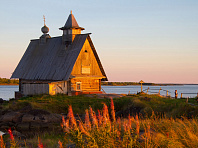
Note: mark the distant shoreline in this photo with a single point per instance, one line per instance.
(136, 83)
(129, 83)
(9, 84)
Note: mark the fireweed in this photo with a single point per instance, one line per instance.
(12, 140)
(104, 130)
(2, 144)
(40, 145)
(101, 130)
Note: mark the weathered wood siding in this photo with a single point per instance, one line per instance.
(43, 87)
(58, 88)
(86, 63)
(87, 84)
(35, 89)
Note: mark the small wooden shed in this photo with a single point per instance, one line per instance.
(67, 64)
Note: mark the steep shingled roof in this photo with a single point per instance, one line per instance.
(52, 61)
(71, 23)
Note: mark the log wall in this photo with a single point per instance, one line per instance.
(87, 84)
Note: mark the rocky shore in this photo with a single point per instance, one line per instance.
(28, 119)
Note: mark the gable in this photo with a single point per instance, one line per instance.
(87, 64)
(52, 61)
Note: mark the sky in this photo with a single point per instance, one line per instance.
(150, 40)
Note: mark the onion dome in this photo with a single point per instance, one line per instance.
(45, 29)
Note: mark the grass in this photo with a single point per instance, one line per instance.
(133, 104)
(58, 103)
(147, 121)
(46, 139)
(102, 131)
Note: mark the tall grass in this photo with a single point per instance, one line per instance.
(2, 144)
(102, 129)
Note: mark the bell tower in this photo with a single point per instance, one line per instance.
(70, 30)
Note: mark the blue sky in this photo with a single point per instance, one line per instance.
(153, 40)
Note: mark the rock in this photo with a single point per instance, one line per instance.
(47, 118)
(10, 117)
(26, 109)
(6, 111)
(3, 127)
(52, 118)
(1, 101)
(36, 112)
(35, 126)
(23, 126)
(28, 118)
(18, 117)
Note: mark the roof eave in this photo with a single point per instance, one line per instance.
(64, 28)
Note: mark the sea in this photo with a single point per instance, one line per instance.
(7, 91)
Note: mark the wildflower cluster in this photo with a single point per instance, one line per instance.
(99, 129)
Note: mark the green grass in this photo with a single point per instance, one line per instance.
(134, 104)
(59, 103)
(163, 122)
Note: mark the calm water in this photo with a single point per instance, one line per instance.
(7, 91)
(154, 89)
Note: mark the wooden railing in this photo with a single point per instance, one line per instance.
(103, 90)
(189, 93)
(153, 91)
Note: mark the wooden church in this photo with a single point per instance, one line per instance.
(67, 64)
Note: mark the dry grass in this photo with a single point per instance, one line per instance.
(102, 129)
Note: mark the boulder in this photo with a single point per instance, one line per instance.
(52, 118)
(11, 117)
(26, 109)
(28, 118)
(46, 118)
(36, 112)
(35, 126)
(25, 126)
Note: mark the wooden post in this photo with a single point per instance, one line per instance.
(176, 94)
(166, 93)
(147, 90)
(141, 84)
(181, 95)
(159, 91)
(187, 100)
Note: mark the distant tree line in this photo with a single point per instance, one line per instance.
(5, 81)
(119, 83)
(129, 83)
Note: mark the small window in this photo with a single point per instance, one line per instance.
(69, 31)
(65, 32)
(85, 50)
(86, 70)
(78, 86)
